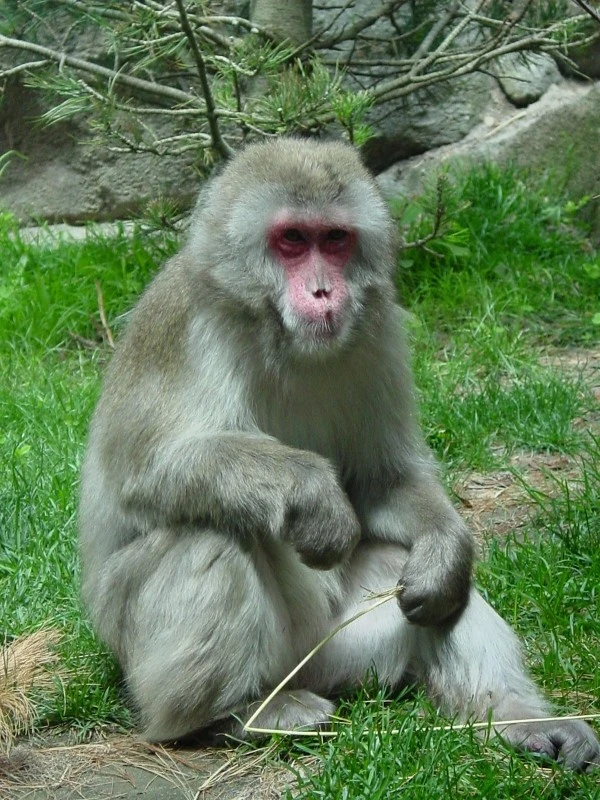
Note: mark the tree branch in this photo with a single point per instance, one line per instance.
(588, 9)
(440, 213)
(167, 29)
(29, 65)
(63, 59)
(439, 26)
(220, 146)
(352, 31)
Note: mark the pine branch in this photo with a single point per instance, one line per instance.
(113, 76)
(588, 9)
(219, 144)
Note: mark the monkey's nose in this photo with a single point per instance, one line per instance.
(321, 294)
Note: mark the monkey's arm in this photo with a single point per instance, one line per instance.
(417, 514)
(249, 485)
(397, 494)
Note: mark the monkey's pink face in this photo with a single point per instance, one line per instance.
(313, 255)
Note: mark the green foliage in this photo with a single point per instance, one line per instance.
(392, 747)
(301, 93)
(297, 94)
(350, 109)
(510, 246)
(151, 82)
(48, 387)
(48, 293)
(549, 588)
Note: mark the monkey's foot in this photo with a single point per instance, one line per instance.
(570, 742)
(287, 711)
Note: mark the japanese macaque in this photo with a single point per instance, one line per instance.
(255, 469)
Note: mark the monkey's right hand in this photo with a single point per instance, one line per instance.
(252, 484)
(320, 522)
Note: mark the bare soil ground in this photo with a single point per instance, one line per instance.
(124, 767)
(498, 502)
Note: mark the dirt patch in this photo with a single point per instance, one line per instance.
(584, 364)
(496, 503)
(577, 361)
(125, 767)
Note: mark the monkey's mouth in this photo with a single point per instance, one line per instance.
(325, 331)
(326, 328)
(312, 333)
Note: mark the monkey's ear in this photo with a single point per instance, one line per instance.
(202, 200)
(205, 196)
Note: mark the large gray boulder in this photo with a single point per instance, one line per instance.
(62, 174)
(524, 78)
(558, 134)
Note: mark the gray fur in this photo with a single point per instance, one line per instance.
(246, 486)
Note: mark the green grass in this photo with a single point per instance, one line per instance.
(48, 387)
(508, 253)
(403, 749)
(517, 275)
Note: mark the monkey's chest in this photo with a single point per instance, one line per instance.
(320, 422)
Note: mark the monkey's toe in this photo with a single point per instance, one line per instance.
(287, 711)
(571, 743)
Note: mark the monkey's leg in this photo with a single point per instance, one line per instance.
(470, 668)
(382, 639)
(475, 667)
(208, 633)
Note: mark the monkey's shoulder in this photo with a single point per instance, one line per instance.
(157, 326)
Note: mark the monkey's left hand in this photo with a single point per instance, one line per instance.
(436, 579)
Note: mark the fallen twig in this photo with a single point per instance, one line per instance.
(105, 326)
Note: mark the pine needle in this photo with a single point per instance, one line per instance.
(27, 665)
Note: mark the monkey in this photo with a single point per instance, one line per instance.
(255, 468)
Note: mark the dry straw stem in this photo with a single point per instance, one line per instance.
(27, 665)
(238, 766)
(380, 598)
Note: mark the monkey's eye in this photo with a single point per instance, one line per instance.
(293, 235)
(336, 235)
(337, 242)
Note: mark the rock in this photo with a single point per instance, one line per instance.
(65, 176)
(585, 61)
(524, 77)
(557, 134)
(427, 119)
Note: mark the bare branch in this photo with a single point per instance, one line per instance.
(89, 8)
(588, 9)
(439, 26)
(469, 62)
(220, 146)
(420, 66)
(28, 66)
(317, 37)
(64, 59)
(352, 31)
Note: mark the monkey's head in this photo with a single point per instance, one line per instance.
(297, 232)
